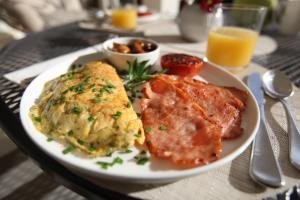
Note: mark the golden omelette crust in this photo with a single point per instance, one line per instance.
(88, 108)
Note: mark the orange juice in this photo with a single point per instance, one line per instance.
(124, 18)
(231, 46)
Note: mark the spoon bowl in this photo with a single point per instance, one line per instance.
(277, 85)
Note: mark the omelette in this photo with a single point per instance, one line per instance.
(88, 108)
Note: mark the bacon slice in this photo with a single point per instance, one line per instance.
(240, 95)
(176, 127)
(219, 103)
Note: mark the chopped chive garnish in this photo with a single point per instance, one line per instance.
(141, 158)
(105, 165)
(117, 115)
(118, 160)
(96, 99)
(79, 88)
(71, 88)
(80, 142)
(136, 135)
(101, 91)
(108, 154)
(68, 150)
(91, 118)
(148, 129)
(61, 98)
(91, 148)
(70, 133)
(109, 90)
(37, 119)
(49, 139)
(162, 128)
(142, 161)
(70, 76)
(87, 79)
(76, 110)
(93, 87)
(109, 84)
(74, 66)
(128, 151)
(129, 104)
(65, 91)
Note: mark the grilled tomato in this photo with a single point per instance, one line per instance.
(181, 64)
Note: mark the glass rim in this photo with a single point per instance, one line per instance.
(249, 7)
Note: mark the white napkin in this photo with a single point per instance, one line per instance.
(35, 69)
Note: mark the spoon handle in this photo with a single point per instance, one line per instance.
(264, 167)
(294, 136)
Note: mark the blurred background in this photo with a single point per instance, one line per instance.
(21, 17)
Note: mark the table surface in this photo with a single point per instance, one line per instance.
(20, 177)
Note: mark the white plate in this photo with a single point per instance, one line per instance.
(155, 171)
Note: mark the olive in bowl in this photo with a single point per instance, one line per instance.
(123, 49)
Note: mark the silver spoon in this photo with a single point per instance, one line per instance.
(277, 85)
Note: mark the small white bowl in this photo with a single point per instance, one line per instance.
(119, 60)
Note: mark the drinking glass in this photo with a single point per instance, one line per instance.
(233, 33)
(124, 17)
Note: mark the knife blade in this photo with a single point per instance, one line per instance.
(264, 167)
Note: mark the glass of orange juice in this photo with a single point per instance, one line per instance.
(234, 30)
(124, 17)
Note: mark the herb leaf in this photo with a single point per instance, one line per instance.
(148, 129)
(80, 142)
(162, 128)
(141, 158)
(70, 133)
(92, 148)
(79, 88)
(106, 165)
(127, 151)
(37, 119)
(142, 161)
(117, 115)
(91, 118)
(68, 150)
(96, 99)
(118, 160)
(76, 110)
(108, 154)
(138, 72)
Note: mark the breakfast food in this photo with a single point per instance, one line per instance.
(89, 109)
(181, 64)
(134, 47)
(185, 119)
(176, 127)
(219, 104)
